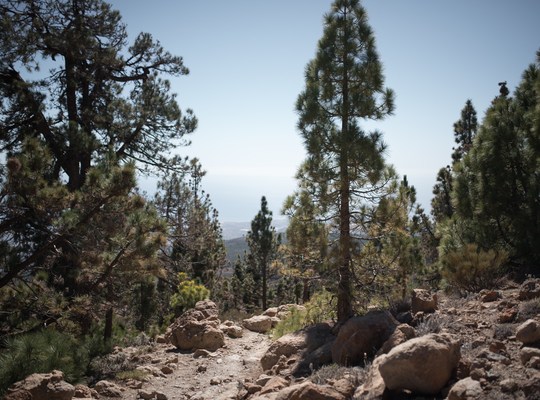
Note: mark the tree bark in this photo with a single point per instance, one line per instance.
(107, 333)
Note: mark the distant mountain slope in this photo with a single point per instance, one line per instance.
(235, 247)
(234, 236)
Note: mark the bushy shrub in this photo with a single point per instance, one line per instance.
(529, 309)
(188, 294)
(432, 323)
(42, 352)
(472, 269)
(108, 366)
(318, 309)
(334, 372)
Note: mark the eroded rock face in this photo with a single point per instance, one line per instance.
(49, 386)
(362, 336)
(422, 365)
(423, 301)
(197, 328)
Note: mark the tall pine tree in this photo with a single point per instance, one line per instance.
(344, 86)
(263, 243)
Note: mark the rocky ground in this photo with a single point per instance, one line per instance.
(200, 375)
(498, 336)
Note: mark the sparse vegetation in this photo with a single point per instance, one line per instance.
(470, 268)
(42, 351)
(334, 372)
(135, 374)
(318, 309)
(529, 309)
(432, 323)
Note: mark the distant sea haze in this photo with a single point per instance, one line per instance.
(234, 230)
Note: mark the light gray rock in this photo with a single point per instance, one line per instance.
(528, 332)
(465, 389)
(50, 386)
(258, 323)
(422, 365)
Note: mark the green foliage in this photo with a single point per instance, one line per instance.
(320, 308)
(263, 243)
(294, 321)
(496, 184)
(42, 352)
(345, 171)
(189, 292)
(470, 268)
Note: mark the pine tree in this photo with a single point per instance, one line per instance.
(465, 131)
(195, 244)
(80, 114)
(306, 250)
(441, 203)
(263, 243)
(496, 185)
(344, 85)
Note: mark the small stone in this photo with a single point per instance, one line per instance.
(497, 347)
(145, 394)
(252, 388)
(509, 386)
(477, 374)
(201, 368)
(465, 389)
(201, 353)
(508, 315)
(167, 370)
(489, 296)
(215, 381)
(528, 332)
(160, 396)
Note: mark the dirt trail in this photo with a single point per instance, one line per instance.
(214, 376)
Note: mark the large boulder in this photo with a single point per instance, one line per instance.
(423, 301)
(197, 328)
(422, 365)
(49, 386)
(362, 336)
(258, 323)
(309, 346)
(528, 332)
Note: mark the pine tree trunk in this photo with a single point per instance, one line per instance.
(264, 288)
(344, 307)
(107, 334)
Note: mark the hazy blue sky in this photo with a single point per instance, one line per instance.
(247, 60)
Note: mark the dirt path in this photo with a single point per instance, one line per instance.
(211, 376)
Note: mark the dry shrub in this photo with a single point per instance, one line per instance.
(472, 269)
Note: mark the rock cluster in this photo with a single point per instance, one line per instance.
(197, 328)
